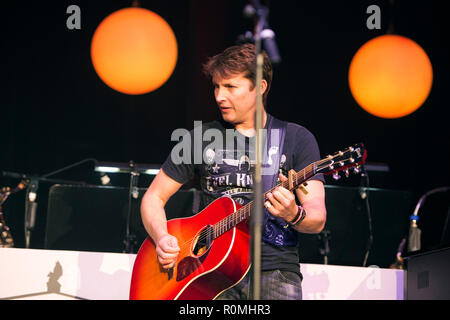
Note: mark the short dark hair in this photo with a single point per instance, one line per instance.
(236, 60)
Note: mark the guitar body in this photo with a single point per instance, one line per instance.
(202, 272)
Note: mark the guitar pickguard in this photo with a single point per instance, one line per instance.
(189, 264)
(201, 249)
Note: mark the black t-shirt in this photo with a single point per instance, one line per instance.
(223, 159)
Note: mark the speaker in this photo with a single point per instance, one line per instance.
(93, 218)
(428, 276)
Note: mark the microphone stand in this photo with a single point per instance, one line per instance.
(260, 12)
(133, 193)
(31, 194)
(324, 250)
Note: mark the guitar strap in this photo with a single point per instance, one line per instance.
(276, 129)
(274, 230)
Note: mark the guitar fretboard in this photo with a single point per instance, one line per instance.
(244, 212)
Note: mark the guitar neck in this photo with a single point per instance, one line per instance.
(350, 158)
(244, 212)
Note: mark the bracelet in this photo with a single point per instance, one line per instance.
(299, 217)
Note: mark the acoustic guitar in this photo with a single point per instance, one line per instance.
(214, 244)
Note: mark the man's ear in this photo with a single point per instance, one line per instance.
(263, 86)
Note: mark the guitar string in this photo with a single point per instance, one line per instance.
(233, 219)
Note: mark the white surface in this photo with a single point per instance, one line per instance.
(326, 282)
(57, 275)
(89, 275)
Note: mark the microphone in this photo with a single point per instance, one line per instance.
(414, 231)
(414, 234)
(269, 43)
(267, 35)
(30, 210)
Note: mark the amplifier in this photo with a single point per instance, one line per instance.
(427, 276)
(93, 218)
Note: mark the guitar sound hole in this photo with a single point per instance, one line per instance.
(203, 241)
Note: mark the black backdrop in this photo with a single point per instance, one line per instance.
(54, 110)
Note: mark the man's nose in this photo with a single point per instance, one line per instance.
(220, 94)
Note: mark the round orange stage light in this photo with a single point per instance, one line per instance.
(390, 76)
(134, 51)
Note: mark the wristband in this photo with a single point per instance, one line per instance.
(299, 218)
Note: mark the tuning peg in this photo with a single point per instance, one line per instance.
(336, 176)
(357, 170)
(347, 173)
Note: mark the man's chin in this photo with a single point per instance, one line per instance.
(228, 118)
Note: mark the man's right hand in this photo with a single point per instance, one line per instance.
(167, 250)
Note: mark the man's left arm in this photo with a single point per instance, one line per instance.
(314, 205)
(281, 203)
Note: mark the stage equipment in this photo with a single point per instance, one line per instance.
(427, 276)
(390, 76)
(32, 182)
(364, 188)
(348, 227)
(399, 261)
(6, 239)
(121, 167)
(324, 238)
(262, 35)
(133, 192)
(414, 243)
(265, 34)
(93, 218)
(134, 51)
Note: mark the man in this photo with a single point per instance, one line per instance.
(229, 171)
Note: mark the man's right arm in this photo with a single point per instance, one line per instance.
(154, 217)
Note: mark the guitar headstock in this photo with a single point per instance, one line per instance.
(351, 158)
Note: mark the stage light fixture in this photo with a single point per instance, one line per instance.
(390, 76)
(119, 167)
(134, 51)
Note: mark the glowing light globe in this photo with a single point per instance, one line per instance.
(390, 76)
(134, 51)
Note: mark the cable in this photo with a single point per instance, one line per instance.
(69, 167)
(364, 192)
(444, 230)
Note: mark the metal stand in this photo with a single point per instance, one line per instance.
(324, 238)
(31, 196)
(133, 193)
(260, 13)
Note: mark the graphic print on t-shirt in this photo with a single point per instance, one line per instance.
(229, 173)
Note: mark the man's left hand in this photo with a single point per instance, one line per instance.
(281, 202)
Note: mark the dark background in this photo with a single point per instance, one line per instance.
(55, 110)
